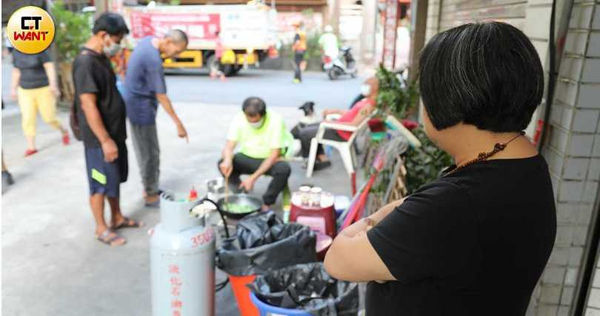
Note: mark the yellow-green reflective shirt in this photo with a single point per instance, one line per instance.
(258, 142)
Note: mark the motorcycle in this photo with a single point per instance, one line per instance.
(344, 65)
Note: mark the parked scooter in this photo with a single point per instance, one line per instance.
(344, 65)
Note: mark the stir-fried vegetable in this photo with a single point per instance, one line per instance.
(238, 208)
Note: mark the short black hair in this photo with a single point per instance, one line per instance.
(253, 106)
(484, 74)
(111, 23)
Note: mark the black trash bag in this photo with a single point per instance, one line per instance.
(263, 242)
(307, 287)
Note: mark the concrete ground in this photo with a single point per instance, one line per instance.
(51, 263)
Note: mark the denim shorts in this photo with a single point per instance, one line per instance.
(106, 177)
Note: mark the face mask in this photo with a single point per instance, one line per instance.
(113, 49)
(256, 125)
(365, 89)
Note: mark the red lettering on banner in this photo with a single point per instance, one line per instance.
(198, 26)
(176, 304)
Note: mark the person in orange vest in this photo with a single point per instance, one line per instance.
(299, 48)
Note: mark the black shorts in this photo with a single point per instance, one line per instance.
(106, 177)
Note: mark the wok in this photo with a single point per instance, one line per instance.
(239, 199)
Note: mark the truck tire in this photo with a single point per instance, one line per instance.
(229, 70)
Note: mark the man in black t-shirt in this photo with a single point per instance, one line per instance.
(101, 115)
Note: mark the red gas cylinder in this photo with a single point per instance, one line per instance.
(314, 209)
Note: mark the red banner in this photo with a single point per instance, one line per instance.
(197, 26)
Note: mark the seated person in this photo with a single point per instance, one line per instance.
(261, 135)
(352, 117)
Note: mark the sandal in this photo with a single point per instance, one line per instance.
(30, 152)
(111, 238)
(127, 223)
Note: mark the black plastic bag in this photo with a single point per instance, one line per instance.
(263, 242)
(307, 287)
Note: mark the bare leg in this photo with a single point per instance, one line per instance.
(115, 211)
(97, 205)
(30, 142)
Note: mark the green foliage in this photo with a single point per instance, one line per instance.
(392, 98)
(424, 164)
(72, 31)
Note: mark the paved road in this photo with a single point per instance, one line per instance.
(275, 87)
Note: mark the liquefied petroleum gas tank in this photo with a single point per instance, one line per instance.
(182, 251)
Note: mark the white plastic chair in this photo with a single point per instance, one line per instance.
(344, 147)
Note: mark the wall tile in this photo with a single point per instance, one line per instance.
(538, 18)
(585, 120)
(575, 255)
(593, 45)
(576, 43)
(550, 294)
(566, 297)
(591, 71)
(571, 67)
(570, 191)
(589, 96)
(566, 92)
(596, 22)
(581, 16)
(553, 275)
(580, 235)
(576, 168)
(594, 299)
(592, 312)
(590, 191)
(581, 145)
(596, 282)
(559, 256)
(558, 139)
(564, 236)
(594, 171)
(562, 115)
(585, 214)
(596, 151)
(571, 276)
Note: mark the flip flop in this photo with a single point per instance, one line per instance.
(106, 239)
(127, 223)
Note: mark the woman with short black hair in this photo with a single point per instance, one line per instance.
(476, 240)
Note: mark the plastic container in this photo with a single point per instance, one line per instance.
(266, 309)
(304, 195)
(315, 196)
(242, 294)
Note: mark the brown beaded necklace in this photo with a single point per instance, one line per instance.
(484, 156)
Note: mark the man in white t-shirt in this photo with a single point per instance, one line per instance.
(329, 42)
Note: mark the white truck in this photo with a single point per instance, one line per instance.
(247, 32)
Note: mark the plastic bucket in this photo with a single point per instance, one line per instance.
(242, 294)
(266, 309)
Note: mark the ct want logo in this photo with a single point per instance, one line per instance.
(30, 30)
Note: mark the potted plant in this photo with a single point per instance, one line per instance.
(72, 30)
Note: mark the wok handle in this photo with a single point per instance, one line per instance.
(220, 213)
